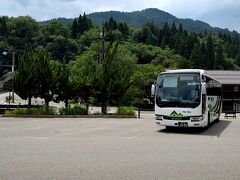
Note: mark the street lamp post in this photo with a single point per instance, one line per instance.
(13, 64)
(102, 36)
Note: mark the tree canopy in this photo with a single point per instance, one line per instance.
(76, 61)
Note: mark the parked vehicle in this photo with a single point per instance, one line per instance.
(186, 98)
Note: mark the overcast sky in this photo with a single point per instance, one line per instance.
(220, 13)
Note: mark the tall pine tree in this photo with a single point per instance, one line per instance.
(219, 57)
(74, 28)
(196, 56)
(210, 54)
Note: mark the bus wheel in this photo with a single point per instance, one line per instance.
(169, 127)
(208, 122)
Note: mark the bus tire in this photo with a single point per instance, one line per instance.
(208, 123)
(169, 127)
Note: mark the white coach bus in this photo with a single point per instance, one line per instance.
(186, 98)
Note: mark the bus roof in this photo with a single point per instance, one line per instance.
(201, 71)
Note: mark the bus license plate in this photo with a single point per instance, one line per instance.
(183, 124)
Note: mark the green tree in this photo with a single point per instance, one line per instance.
(148, 36)
(123, 67)
(172, 38)
(84, 24)
(111, 25)
(25, 78)
(205, 63)
(143, 53)
(166, 32)
(22, 31)
(142, 79)
(124, 29)
(44, 76)
(3, 27)
(238, 59)
(83, 75)
(189, 44)
(62, 49)
(180, 28)
(196, 57)
(173, 28)
(74, 28)
(87, 23)
(219, 57)
(210, 53)
(80, 25)
(105, 78)
(62, 88)
(138, 36)
(114, 75)
(163, 43)
(87, 39)
(54, 28)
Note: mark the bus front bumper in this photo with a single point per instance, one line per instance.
(175, 123)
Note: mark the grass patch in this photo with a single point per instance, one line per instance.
(126, 111)
(75, 110)
(33, 111)
(17, 111)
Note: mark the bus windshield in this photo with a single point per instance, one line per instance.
(178, 90)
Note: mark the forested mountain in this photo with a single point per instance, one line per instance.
(137, 19)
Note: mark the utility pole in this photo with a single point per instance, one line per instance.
(103, 39)
(102, 36)
(13, 65)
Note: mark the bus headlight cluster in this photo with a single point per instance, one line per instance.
(159, 117)
(195, 119)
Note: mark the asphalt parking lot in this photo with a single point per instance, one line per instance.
(116, 149)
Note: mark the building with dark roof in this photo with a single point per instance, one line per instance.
(230, 81)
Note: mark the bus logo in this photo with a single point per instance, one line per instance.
(175, 114)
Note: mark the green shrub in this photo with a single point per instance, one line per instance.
(17, 111)
(34, 111)
(126, 110)
(73, 102)
(44, 110)
(75, 110)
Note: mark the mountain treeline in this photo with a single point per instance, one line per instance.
(137, 19)
(112, 64)
(204, 51)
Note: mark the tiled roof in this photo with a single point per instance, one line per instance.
(225, 77)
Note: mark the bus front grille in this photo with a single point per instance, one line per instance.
(176, 118)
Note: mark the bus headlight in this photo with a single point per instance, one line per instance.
(160, 118)
(195, 119)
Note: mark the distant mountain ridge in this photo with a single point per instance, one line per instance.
(138, 18)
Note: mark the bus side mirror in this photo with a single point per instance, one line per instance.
(204, 88)
(153, 90)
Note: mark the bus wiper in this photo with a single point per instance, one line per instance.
(178, 103)
(181, 103)
(165, 102)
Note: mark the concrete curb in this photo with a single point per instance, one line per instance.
(69, 116)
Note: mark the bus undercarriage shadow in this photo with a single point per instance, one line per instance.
(215, 129)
